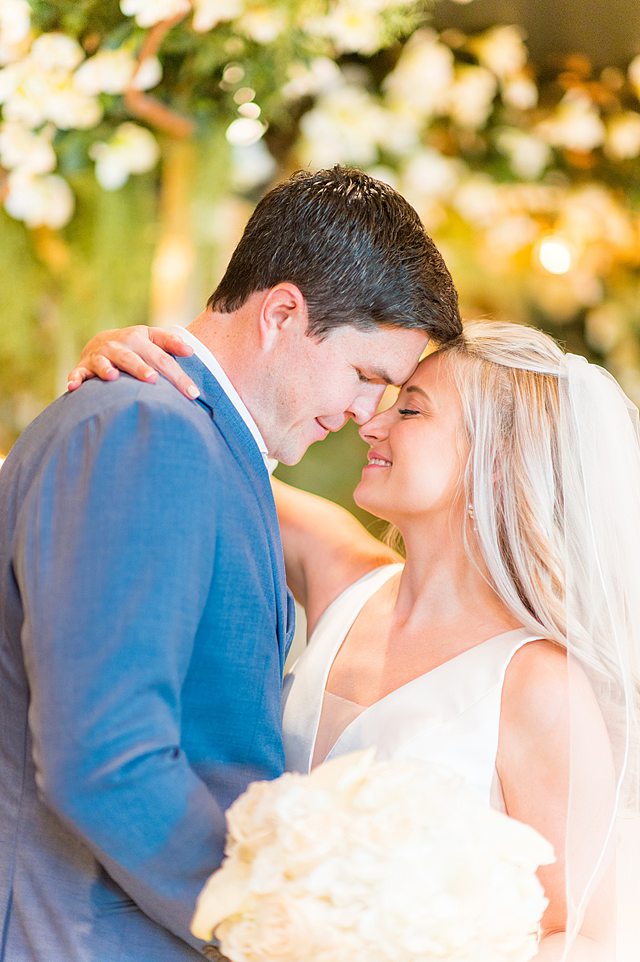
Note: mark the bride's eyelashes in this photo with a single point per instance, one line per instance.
(407, 412)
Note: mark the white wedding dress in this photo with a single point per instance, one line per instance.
(449, 715)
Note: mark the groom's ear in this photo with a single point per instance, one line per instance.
(283, 311)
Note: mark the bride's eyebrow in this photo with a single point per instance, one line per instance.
(414, 389)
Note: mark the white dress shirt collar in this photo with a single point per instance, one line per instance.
(204, 354)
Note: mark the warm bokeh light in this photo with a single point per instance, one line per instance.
(555, 255)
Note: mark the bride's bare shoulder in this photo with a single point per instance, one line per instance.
(546, 700)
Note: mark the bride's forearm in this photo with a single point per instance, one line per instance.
(584, 950)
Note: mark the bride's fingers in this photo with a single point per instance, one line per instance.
(171, 343)
(77, 376)
(169, 368)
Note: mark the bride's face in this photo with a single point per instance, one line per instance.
(418, 450)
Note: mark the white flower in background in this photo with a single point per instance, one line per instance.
(15, 29)
(148, 75)
(431, 175)
(207, 14)
(592, 215)
(68, 106)
(308, 80)
(39, 201)
(634, 74)
(251, 166)
(470, 98)
(511, 234)
(479, 200)
(111, 72)
(337, 866)
(623, 136)
(132, 150)
(345, 126)
(262, 23)
(575, 125)
(15, 21)
(353, 26)
(25, 150)
(42, 86)
(528, 155)
(605, 326)
(150, 12)
(519, 92)
(501, 50)
(423, 75)
(56, 52)
(428, 181)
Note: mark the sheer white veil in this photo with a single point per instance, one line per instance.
(600, 482)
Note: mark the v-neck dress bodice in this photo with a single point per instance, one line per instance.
(449, 716)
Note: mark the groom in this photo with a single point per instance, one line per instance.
(144, 616)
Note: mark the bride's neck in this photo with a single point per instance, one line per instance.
(441, 585)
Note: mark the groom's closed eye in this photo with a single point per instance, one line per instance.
(374, 377)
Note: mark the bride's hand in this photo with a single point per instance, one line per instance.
(140, 351)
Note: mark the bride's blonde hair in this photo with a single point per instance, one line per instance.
(507, 378)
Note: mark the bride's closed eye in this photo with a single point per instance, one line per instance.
(407, 412)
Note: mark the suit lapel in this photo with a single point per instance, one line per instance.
(243, 446)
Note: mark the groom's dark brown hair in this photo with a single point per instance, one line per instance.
(356, 249)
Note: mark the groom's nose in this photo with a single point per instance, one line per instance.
(365, 405)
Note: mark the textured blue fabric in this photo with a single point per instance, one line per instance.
(144, 622)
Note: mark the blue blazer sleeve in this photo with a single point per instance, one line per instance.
(116, 549)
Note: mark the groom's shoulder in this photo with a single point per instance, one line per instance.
(125, 412)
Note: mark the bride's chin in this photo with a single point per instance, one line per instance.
(371, 505)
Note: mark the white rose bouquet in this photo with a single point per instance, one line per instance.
(373, 861)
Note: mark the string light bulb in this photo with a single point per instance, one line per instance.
(554, 254)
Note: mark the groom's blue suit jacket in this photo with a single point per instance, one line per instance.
(144, 622)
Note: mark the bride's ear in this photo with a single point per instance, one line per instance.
(283, 311)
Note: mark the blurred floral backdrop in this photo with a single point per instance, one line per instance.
(137, 135)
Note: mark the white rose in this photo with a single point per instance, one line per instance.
(108, 71)
(56, 51)
(470, 98)
(111, 72)
(264, 24)
(519, 92)
(501, 50)
(422, 75)
(528, 155)
(15, 21)
(150, 12)
(327, 885)
(345, 126)
(132, 150)
(431, 175)
(68, 106)
(251, 166)
(306, 80)
(209, 13)
(478, 200)
(576, 124)
(39, 201)
(22, 148)
(623, 136)
(352, 27)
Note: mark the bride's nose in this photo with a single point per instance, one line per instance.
(375, 429)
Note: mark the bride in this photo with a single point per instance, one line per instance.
(506, 644)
